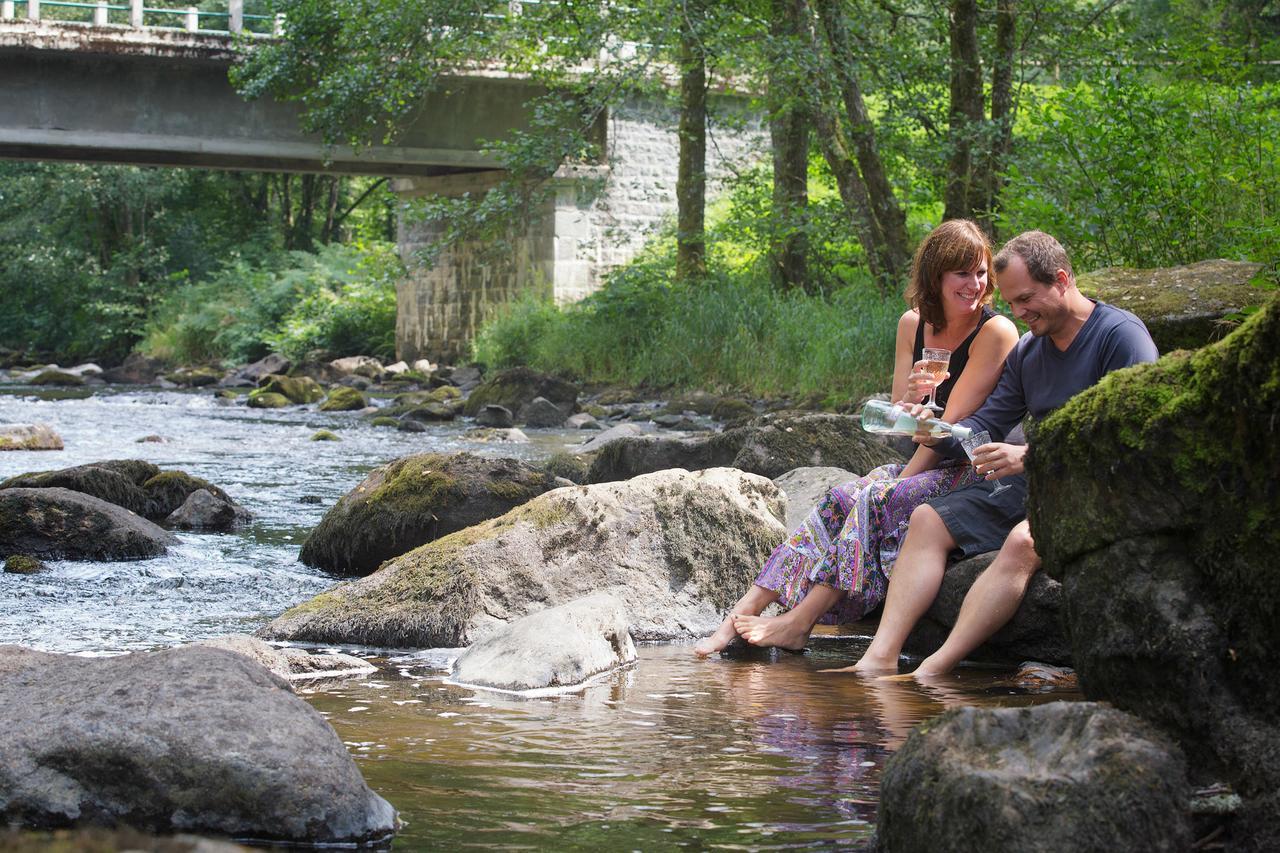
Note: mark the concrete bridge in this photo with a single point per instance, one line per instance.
(151, 89)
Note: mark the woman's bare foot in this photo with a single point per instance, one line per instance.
(779, 631)
(869, 665)
(723, 636)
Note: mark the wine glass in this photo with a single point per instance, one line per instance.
(975, 440)
(935, 362)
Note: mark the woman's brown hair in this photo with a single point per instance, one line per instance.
(957, 244)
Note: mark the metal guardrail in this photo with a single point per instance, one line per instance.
(136, 15)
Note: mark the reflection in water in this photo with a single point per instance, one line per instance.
(671, 751)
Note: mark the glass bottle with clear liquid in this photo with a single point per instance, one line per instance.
(881, 416)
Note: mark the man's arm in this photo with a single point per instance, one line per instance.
(1003, 409)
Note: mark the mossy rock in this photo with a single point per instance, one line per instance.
(259, 399)
(169, 490)
(116, 481)
(568, 465)
(444, 394)
(383, 421)
(597, 412)
(518, 386)
(698, 402)
(58, 378)
(1183, 307)
(21, 564)
(343, 399)
(296, 389)
(57, 523)
(1154, 498)
(325, 435)
(414, 500)
(195, 377)
(733, 411)
(29, 437)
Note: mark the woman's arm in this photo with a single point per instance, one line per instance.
(986, 359)
(902, 361)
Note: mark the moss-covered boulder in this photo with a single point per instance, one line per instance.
(517, 387)
(168, 490)
(384, 421)
(1067, 777)
(733, 411)
(57, 378)
(58, 523)
(1183, 307)
(414, 500)
(432, 412)
(117, 481)
(259, 399)
(195, 377)
(324, 435)
(21, 564)
(1154, 497)
(29, 437)
(296, 389)
(677, 548)
(769, 446)
(343, 399)
(570, 466)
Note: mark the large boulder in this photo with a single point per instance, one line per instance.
(769, 446)
(806, 486)
(1183, 307)
(1035, 632)
(414, 500)
(677, 548)
(62, 524)
(1057, 778)
(295, 389)
(1154, 498)
(514, 388)
(561, 646)
(29, 437)
(190, 739)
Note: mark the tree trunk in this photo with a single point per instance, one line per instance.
(691, 177)
(890, 220)
(789, 133)
(1001, 112)
(331, 211)
(961, 195)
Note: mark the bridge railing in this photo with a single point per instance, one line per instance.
(136, 14)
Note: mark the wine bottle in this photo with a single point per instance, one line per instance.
(888, 418)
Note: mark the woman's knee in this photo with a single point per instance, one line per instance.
(1019, 551)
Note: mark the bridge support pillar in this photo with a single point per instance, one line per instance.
(449, 292)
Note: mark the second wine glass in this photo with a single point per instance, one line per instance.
(971, 444)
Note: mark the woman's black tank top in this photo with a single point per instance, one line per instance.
(959, 355)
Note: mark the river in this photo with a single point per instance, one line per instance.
(672, 753)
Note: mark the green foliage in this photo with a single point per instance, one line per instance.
(1131, 172)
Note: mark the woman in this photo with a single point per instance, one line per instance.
(837, 563)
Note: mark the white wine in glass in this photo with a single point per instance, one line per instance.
(936, 361)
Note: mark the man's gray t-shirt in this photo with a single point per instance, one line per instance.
(1038, 377)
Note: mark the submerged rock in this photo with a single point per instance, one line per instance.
(1067, 776)
(61, 524)
(414, 500)
(558, 647)
(292, 664)
(769, 446)
(183, 740)
(677, 548)
(1153, 497)
(29, 437)
(514, 388)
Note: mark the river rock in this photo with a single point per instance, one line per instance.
(343, 399)
(610, 435)
(259, 399)
(806, 486)
(251, 374)
(62, 524)
(432, 412)
(1062, 777)
(1035, 632)
(582, 420)
(136, 369)
(296, 389)
(677, 548)
(467, 378)
(496, 416)
(86, 370)
(542, 413)
(769, 446)
(194, 377)
(1153, 498)
(518, 386)
(410, 425)
(190, 739)
(202, 511)
(414, 500)
(558, 647)
(29, 437)
(490, 435)
(360, 365)
(292, 663)
(1183, 307)
(566, 466)
(698, 402)
(21, 564)
(733, 411)
(56, 377)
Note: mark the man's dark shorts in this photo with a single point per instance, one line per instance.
(979, 522)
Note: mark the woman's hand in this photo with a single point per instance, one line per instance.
(921, 383)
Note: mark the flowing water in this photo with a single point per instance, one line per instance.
(672, 752)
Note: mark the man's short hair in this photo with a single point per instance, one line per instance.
(1042, 254)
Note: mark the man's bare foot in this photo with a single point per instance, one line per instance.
(723, 636)
(776, 631)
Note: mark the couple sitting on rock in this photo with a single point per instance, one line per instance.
(836, 566)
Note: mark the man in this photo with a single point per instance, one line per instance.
(1073, 342)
